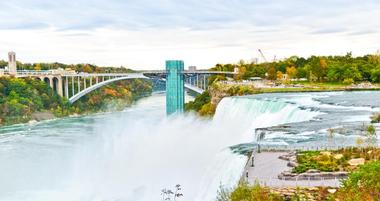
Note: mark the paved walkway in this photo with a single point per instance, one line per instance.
(267, 166)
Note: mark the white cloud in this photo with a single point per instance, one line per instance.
(143, 34)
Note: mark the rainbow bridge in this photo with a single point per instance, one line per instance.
(74, 85)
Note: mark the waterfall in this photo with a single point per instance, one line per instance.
(238, 117)
(131, 156)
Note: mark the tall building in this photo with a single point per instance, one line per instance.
(175, 94)
(12, 65)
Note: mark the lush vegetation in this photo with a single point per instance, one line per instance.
(362, 184)
(256, 192)
(329, 161)
(322, 73)
(203, 103)
(21, 98)
(343, 69)
(114, 96)
(199, 101)
(253, 193)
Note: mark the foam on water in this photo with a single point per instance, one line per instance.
(134, 154)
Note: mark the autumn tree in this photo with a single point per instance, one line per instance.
(272, 74)
(37, 66)
(291, 72)
(87, 68)
(279, 75)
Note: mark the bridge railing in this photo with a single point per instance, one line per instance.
(34, 72)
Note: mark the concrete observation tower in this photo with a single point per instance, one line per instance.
(12, 65)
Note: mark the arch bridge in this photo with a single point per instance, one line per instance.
(74, 85)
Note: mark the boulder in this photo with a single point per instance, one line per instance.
(313, 171)
(331, 190)
(292, 164)
(338, 156)
(356, 161)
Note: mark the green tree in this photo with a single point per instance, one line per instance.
(363, 184)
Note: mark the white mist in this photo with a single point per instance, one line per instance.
(131, 156)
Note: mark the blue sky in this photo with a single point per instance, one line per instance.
(143, 34)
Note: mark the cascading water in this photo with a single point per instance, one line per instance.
(134, 154)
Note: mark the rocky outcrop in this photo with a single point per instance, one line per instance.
(291, 158)
(313, 175)
(217, 94)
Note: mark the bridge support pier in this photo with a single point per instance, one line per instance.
(60, 86)
(67, 87)
(175, 93)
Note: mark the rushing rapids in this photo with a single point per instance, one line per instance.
(132, 155)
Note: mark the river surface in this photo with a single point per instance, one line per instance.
(132, 155)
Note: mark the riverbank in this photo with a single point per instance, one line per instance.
(23, 100)
(206, 103)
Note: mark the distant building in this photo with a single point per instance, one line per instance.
(236, 70)
(12, 65)
(192, 68)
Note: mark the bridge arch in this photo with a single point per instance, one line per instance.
(55, 83)
(138, 76)
(47, 80)
(100, 84)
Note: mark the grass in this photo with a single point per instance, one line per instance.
(334, 160)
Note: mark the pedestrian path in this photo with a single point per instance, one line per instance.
(267, 166)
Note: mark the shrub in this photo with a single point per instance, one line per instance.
(363, 184)
(348, 81)
(375, 118)
(253, 193)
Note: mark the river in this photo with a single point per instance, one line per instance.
(133, 154)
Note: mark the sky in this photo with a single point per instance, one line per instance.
(142, 34)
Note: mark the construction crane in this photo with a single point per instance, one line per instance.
(265, 59)
(262, 55)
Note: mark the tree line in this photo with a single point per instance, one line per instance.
(20, 98)
(314, 68)
(89, 68)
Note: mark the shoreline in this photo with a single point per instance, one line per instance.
(307, 90)
(49, 116)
